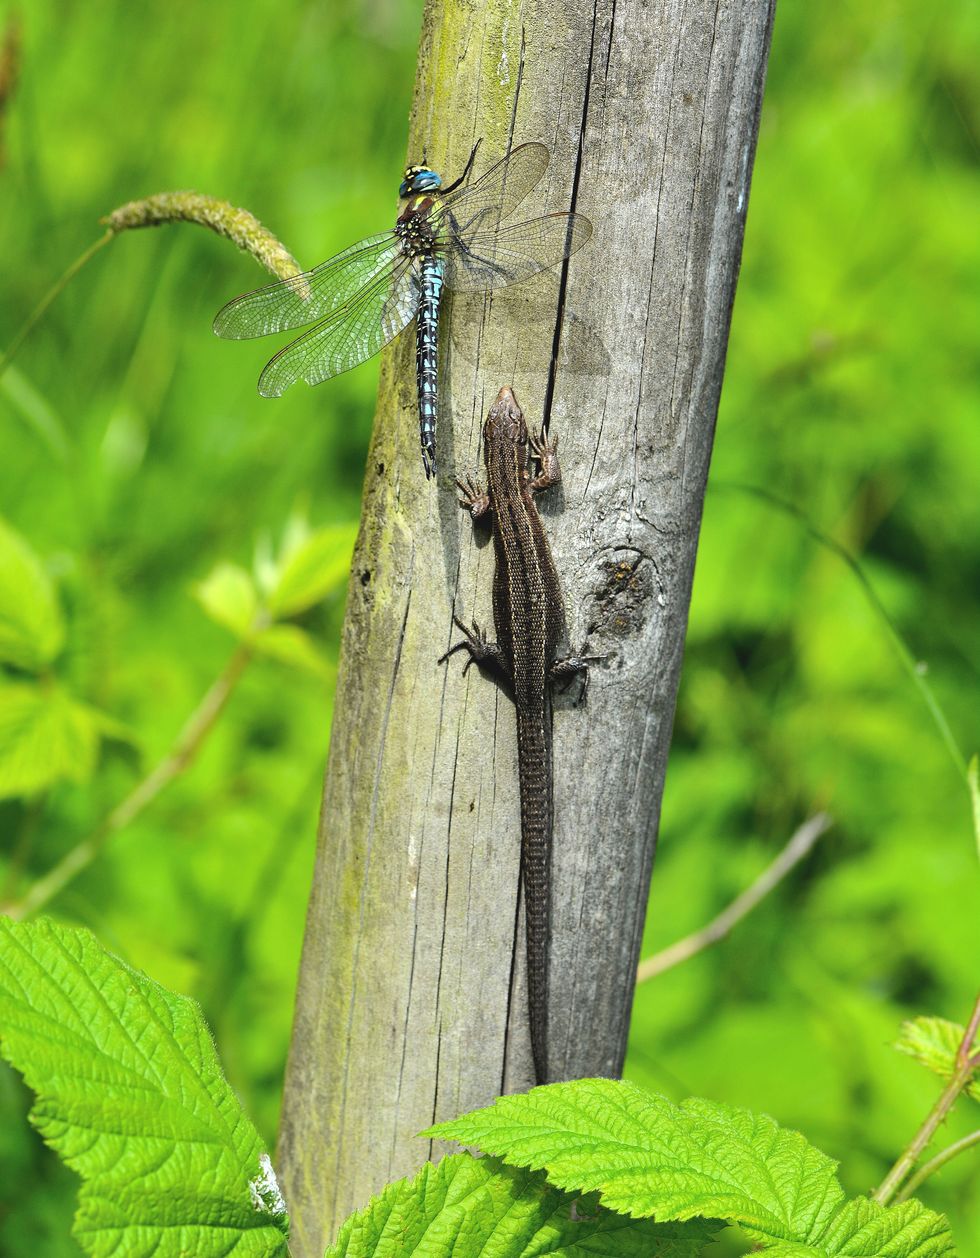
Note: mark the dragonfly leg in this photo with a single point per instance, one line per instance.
(465, 227)
(466, 169)
(464, 247)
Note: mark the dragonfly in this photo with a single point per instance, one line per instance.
(456, 238)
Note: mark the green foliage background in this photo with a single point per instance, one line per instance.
(136, 455)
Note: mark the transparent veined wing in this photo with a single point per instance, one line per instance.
(515, 252)
(498, 193)
(531, 308)
(348, 336)
(309, 297)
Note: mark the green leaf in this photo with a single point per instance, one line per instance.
(228, 595)
(291, 645)
(648, 1156)
(45, 736)
(32, 630)
(934, 1043)
(311, 568)
(466, 1207)
(130, 1094)
(864, 1229)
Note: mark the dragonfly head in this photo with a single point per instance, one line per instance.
(419, 179)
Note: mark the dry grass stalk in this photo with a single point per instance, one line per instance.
(235, 224)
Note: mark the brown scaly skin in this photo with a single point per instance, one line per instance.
(529, 618)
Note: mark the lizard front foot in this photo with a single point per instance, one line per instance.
(472, 498)
(545, 450)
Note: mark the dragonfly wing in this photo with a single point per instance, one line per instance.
(309, 297)
(582, 350)
(499, 192)
(495, 259)
(373, 317)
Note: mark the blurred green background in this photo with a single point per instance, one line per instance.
(137, 456)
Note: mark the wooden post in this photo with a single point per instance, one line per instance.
(411, 1003)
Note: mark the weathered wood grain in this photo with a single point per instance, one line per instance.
(411, 1002)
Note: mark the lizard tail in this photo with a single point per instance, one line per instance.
(534, 746)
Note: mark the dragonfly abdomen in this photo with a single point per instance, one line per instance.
(427, 357)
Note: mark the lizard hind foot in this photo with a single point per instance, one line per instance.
(564, 672)
(474, 640)
(482, 650)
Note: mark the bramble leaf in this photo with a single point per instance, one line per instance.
(864, 1229)
(32, 630)
(130, 1094)
(311, 568)
(647, 1156)
(934, 1043)
(468, 1207)
(289, 644)
(45, 736)
(229, 597)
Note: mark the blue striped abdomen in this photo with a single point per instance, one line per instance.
(427, 357)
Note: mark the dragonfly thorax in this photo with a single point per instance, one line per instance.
(416, 226)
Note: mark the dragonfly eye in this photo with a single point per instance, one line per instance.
(419, 179)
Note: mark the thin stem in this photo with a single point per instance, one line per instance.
(963, 1057)
(936, 1164)
(38, 312)
(181, 755)
(912, 666)
(794, 851)
(966, 1064)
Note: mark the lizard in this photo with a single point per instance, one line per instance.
(529, 619)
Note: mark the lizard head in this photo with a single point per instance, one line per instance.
(505, 422)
